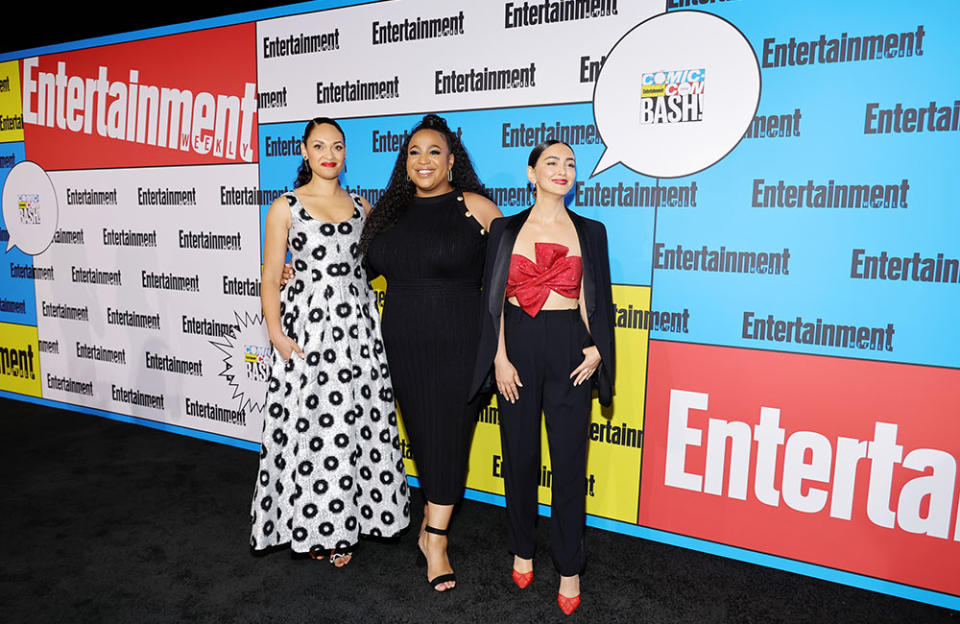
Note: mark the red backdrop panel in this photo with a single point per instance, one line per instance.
(891, 513)
(212, 65)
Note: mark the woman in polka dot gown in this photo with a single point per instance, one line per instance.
(331, 468)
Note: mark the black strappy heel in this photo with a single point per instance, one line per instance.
(443, 578)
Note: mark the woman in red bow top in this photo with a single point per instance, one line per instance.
(548, 333)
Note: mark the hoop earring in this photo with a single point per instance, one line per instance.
(449, 175)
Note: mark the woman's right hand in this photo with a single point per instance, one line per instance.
(285, 346)
(508, 380)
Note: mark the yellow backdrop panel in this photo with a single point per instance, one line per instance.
(11, 117)
(19, 359)
(616, 434)
(612, 482)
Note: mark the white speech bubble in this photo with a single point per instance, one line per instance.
(711, 88)
(30, 209)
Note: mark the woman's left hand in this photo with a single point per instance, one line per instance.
(591, 360)
(287, 274)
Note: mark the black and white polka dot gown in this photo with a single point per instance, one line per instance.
(330, 462)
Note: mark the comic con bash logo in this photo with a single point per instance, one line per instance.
(28, 205)
(247, 354)
(672, 96)
(255, 361)
(30, 210)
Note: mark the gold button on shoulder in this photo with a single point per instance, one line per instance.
(467, 214)
(459, 197)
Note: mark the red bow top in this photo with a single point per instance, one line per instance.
(554, 270)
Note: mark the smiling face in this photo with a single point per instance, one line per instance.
(428, 160)
(325, 150)
(555, 171)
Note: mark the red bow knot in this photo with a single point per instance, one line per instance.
(554, 270)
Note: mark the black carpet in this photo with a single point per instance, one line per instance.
(110, 522)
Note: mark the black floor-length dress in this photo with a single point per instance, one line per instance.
(432, 259)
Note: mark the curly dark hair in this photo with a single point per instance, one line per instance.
(304, 172)
(400, 189)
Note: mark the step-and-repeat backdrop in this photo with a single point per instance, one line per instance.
(775, 179)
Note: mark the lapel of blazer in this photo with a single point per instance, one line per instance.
(589, 284)
(501, 265)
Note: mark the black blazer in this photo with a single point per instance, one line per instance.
(597, 294)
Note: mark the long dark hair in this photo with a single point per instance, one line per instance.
(539, 149)
(304, 172)
(400, 189)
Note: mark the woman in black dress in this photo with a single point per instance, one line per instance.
(427, 236)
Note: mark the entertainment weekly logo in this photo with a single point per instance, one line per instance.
(844, 463)
(182, 99)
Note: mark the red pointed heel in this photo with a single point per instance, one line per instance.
(522, 579)
(568, 605)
